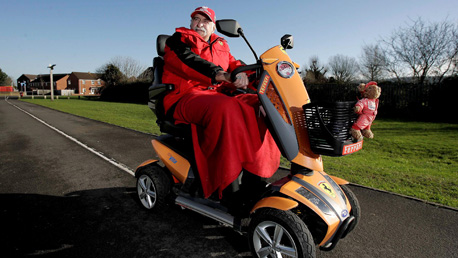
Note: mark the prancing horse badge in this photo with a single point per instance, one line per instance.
(327, 188)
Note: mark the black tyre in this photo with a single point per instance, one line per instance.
(277, 233)
(355, 208)
(153, 187)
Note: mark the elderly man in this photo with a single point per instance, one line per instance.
(228, 136)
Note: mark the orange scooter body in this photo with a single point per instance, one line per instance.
(289, 95)
(317, 191)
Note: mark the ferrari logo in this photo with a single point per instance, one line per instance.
(327, 189)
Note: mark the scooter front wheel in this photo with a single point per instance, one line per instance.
(153, 187)
(277, 233)
(355, 207)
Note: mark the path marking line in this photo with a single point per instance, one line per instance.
(101, 155)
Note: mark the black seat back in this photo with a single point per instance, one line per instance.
(157, 92)
(158, 62)
(158, 69)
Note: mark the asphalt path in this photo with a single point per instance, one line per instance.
(66, 191)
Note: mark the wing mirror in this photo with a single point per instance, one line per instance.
(228, 27)
(287, 41)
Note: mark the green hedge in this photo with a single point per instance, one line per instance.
(136, 92)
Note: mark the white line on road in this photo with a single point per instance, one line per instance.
(101, 155)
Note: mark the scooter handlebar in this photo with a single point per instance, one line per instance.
(243, 69)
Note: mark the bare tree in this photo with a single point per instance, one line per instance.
(455, 59)
(455, 67)
(394, 67)
(316, 72)
(423, 50)
(128, 66)
(373, 64)
(11, 81)
(344, 69)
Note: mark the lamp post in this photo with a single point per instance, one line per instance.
(51, 67)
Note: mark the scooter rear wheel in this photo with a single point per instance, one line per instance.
(153, 187)
(277, 233)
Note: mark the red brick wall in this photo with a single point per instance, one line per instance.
(73, 83)
(62, 83)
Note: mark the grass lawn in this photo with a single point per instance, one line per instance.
(412, 158)
(134, 116)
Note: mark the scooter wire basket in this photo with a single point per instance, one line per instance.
(328, 125)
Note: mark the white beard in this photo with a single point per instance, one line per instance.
(201, 29)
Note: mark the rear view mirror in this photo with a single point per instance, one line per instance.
(287, 41)
(228, 27)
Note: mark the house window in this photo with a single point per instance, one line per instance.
(83, 81)
(69, 82)
(92, 82)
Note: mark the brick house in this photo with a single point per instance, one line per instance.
(85, 83)
(23, 82)
(42, 82)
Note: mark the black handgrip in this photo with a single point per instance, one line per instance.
(243, 69)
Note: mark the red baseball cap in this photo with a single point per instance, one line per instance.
(205, 11)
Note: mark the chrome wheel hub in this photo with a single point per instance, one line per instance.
(272, 240)
(146, 191)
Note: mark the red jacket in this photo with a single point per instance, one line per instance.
(367, 113)
(191, 63)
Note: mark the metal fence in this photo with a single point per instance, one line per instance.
(430, 102)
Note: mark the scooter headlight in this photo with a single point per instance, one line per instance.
(315, 200)
(285, 69)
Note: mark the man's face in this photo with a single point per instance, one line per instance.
(202, 25)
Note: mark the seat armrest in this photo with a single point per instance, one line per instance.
(157, 89)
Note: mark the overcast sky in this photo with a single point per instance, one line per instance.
(82, 35)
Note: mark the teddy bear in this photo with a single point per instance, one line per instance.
(366, 108)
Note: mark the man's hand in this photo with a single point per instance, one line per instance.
(223, 76)
(240, 82)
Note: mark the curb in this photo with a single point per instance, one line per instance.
(407, 197)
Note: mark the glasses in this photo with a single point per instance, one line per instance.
(199, 20)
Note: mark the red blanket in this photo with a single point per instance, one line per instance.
(228, 135)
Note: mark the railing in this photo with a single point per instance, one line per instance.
(413, 101)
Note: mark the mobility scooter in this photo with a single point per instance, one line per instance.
(286, 217)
